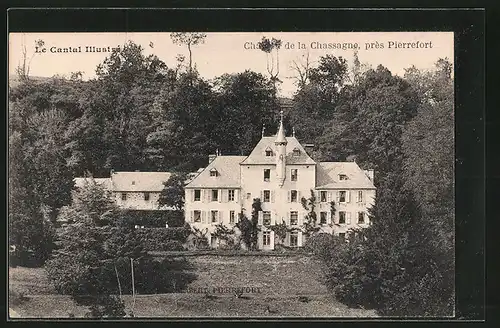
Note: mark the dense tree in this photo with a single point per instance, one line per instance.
(29, 232)
(245, 103)
(370, 120)
(315, 102)
(173, 192)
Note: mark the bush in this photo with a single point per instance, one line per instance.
(153, 219)
(160, 239)
(174, 245)
(319, 244)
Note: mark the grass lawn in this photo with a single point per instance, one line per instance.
(277, 282)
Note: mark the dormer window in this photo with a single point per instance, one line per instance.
(133, 183)
(214, 173)
(296, 152)
(269, 152)
(343, 177)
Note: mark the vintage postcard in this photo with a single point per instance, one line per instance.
(231, 175)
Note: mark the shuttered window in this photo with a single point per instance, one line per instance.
(323, 217)
(214, 216)
(197, 195)
(341, 217)
(215, 195)
(197, 216)
(342, 196)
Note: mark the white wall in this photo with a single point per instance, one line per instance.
(252, 181)
(205, 205)
(135, 200)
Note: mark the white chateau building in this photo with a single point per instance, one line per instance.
(280, 173)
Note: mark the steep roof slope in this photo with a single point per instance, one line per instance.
(258, 154)
(228, 173)
(328, 176)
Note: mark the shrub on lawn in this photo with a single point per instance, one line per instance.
(153, 219)
(161, 239)
(319, 244)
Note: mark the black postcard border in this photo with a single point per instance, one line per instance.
(469, 28)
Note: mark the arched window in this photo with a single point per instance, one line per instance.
(296, 152)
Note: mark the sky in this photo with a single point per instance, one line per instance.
(228, 52)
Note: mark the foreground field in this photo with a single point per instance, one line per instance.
(282, 287)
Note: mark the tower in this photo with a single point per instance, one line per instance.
(280, 144)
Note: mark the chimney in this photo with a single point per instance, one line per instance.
(211, 158)
(369, 174)
(309, 147)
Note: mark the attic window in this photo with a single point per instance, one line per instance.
(296, 152)
(343, 177)
(214, 173)
(269, 152)
(133, 183)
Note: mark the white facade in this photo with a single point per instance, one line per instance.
(280, 173)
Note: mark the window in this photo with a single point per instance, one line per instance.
(294, 239)
(360, 196)
(361, 217)
(322, 217)
(124, 196)
(269, 152)
(267, 196)
(294, 218)
(133, 183)
(342, 236)
(197, 216)
(231, 217)
(213, 241)
(249, 195)
(146, 196)
(197, 195)
(293, 196)
(230, 195)
(342, 195)
(322, 195)
(266, 218)
(343, 177)
(213, 173)
(266, 238)
(215, 195)
(296, 152)
(214, 216)
(341, 217)
(294, 174)
(267, 174)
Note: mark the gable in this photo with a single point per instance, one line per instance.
(338, 175)
(228, 173)
(258, 154)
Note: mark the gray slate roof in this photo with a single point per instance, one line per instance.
(258, 155)
(327, 176)
(228, 168)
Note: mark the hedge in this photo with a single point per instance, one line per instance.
(163, 239)
(154, 219)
